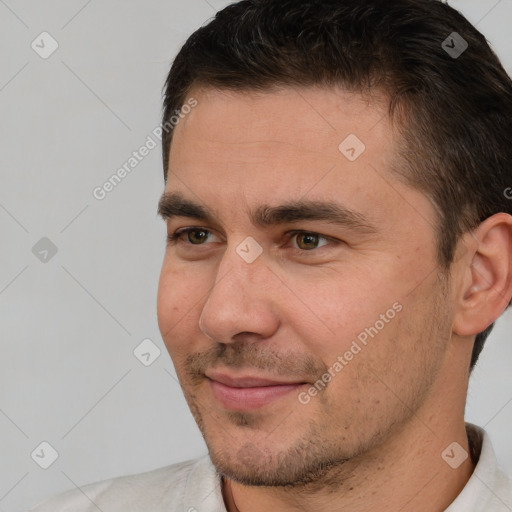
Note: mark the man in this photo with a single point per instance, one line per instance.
(339, 246)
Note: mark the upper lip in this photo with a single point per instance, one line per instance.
(248, 381)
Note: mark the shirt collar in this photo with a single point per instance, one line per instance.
(487, 487)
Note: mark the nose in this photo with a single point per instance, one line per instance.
(242, 302)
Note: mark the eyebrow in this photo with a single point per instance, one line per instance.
(174, 204)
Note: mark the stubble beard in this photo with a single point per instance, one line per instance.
(319, 456)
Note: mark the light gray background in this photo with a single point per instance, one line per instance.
(68, 327)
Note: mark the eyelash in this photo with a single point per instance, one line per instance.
(177, 237)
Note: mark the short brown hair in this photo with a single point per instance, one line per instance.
(454, 112)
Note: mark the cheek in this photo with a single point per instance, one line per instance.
(340, 307)
(178, 306)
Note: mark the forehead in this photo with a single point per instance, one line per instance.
(285, 135)
(301, 120)
(237, 150)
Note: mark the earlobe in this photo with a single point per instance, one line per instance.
(486, 276)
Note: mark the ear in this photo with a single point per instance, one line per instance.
(486, 276)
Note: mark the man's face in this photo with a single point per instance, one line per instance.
(300, 341)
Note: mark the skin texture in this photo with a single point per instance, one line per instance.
(372, 438)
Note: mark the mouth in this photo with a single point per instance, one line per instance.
(248, 392)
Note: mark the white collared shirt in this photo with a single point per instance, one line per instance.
(195, 486)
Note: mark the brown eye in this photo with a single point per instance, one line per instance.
(308, 241)
(189, 236)
(197, 236)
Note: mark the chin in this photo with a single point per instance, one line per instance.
(303, 464)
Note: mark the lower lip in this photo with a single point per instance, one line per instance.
(249, 398)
